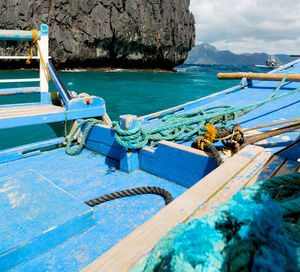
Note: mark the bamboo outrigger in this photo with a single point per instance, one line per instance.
(47, 220)
(260, 76)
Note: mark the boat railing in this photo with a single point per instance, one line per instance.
(43, 55)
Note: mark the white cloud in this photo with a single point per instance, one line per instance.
(271, 26)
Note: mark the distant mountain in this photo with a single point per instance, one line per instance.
(208, 54)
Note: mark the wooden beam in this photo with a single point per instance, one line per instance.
(259, 76)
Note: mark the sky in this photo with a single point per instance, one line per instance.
(248, 26)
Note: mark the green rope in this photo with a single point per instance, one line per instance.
(79, 148)
(188, 126)
(178, 127)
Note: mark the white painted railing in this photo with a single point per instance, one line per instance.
(19, 80)
(19, 35)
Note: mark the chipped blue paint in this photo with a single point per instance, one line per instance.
(85, 177)
(270, 168)
(177, 165)
(25, 151)
(293, 152)
(59, 116)
(35, 216)
(26, 90)
(90, 174)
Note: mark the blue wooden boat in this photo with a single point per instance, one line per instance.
(49, 217)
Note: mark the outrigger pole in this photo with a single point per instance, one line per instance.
(260, 76)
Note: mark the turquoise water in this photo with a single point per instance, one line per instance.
(125, 92)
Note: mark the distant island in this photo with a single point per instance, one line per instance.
(207, 54)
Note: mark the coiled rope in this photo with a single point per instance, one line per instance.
(257, 230)
(70, 139)
(182, 127)
(188, 126)
(132, 192)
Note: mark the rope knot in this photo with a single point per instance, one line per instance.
(201, 143)
(211, 133)
(236, 140)
(35, 37)
(134, 138)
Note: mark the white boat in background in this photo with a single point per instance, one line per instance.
(271, 63)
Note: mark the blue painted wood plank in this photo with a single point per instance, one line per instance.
(87, 176)
(184, 166)
(35, 216)
(25, 151)
(26, 90)
(101, 139)
(59, 116)
(292, 152)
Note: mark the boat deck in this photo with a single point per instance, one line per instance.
(284, 109)
(87, 176)
(175, 167)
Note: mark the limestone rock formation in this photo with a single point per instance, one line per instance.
(106, 33)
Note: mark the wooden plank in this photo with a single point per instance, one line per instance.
(177, 163)
(25, 151)
(127, 252)
(268, 170)
(288, 167)
(43, 114)
(26, 90)
(259, 76)
(29, 110)
(234, 185)
(106, 119)
(35, 216)
(292, 152)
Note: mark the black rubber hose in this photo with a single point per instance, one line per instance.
(132, 192)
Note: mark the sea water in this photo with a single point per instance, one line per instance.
(124, 92)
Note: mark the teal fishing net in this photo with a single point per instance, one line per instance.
(257, 230)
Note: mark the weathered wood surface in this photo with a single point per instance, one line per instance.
(136, 245)
(234, 185)
(259, 76)
(287, 167)
(35, 216)
(177, 163)
(28, 111)
(24, 90)
(268, 171)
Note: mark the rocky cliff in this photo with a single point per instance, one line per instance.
(106, 33)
